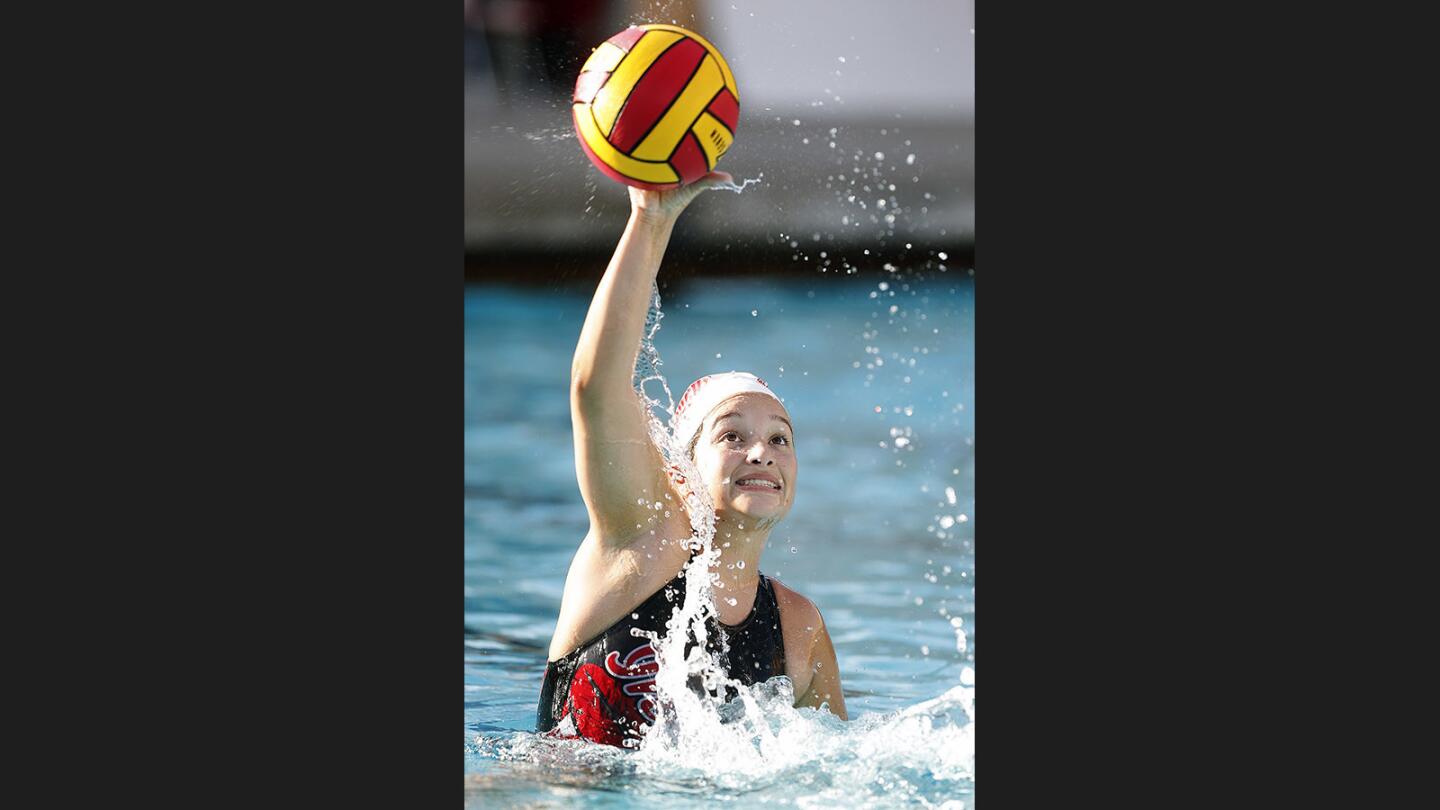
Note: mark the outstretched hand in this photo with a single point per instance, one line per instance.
(665, 206)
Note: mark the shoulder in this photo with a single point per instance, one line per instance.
(792, 601)
(800, 619)
(809, 652)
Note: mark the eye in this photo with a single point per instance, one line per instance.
(730, 436)
(781, 439)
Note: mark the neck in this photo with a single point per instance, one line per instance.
(740, 541)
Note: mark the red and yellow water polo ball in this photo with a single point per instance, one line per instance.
(656, 106)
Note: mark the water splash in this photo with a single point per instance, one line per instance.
(550, 134)
(647, 362)
(739, 189)
(690, 723)
(680, 660)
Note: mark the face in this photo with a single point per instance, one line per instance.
(745, 453)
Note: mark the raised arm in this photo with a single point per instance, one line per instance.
(615, 461)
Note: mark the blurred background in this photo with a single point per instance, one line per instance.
(857, 117)
(844, 278)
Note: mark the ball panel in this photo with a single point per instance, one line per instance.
(588, 85)
(727, 109)
(604, 58)
(666, 135)
(689, 159)
(611, 98)
(724, 68)
(611, 161)
(655, 93)
(625, 40)
(714, 137)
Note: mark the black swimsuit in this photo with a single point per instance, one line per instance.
(604, 689)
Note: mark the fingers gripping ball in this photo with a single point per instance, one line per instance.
(655, 107)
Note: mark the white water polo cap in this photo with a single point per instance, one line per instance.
(705, 393)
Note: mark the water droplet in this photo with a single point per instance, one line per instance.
(754, 313)
(793, 550)
(950, 495)
(740, 564)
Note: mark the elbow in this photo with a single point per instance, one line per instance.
(594, 387)
(585, 391)
(582, 368)
(582, 383)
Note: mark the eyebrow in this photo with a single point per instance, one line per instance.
(722, 417)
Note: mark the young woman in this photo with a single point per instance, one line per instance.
(600, 680)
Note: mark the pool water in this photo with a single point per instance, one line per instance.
(878, 374)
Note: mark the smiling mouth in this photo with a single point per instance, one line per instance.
(758, 482)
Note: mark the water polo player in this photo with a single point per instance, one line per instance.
(627, 574)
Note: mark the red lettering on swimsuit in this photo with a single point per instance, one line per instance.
(608, 704)
(638, 671)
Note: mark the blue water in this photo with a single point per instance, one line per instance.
(881, 537)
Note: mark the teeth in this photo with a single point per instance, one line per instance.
(756, 481)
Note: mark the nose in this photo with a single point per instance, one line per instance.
(757, 456)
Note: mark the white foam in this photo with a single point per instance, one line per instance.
(911, 757)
